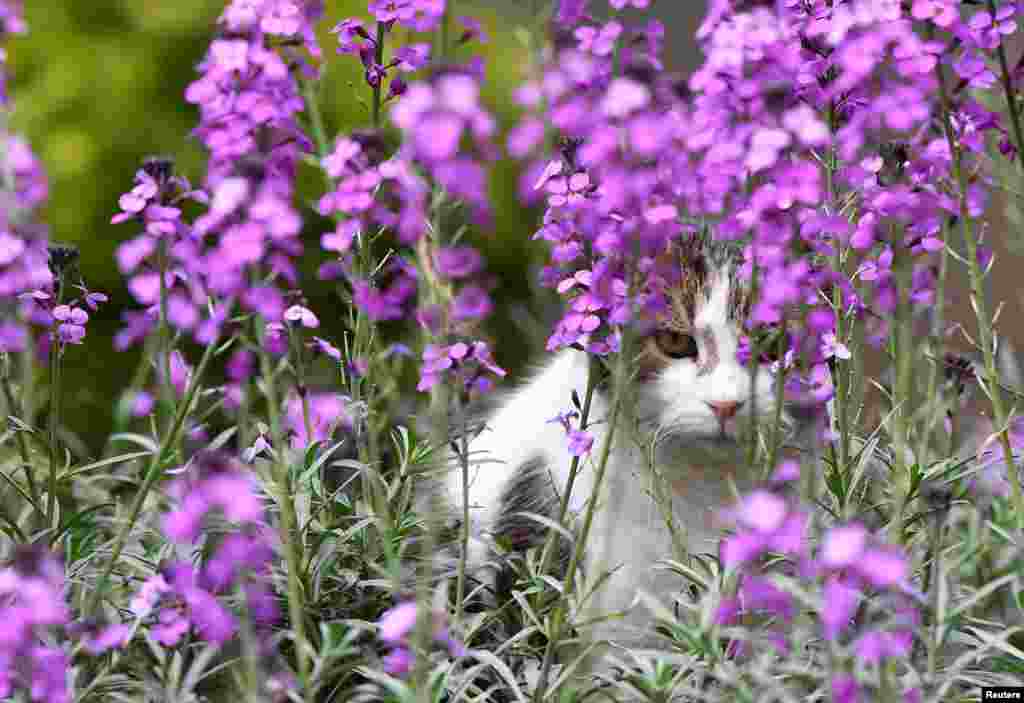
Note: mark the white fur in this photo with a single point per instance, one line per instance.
(629, 532)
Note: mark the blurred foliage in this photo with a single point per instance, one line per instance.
(98, 86)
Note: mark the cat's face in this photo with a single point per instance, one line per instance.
(694, 390)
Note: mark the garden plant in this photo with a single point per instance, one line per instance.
(259, 526)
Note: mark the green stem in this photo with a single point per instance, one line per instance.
(621, 383)
(978, 297)
(153, 474)
(14, 410)
(460, 588)
(138, 381)
(164, 344)
(316, 119)
(290, 541)
(936, 368)
(593, 377)
(1006, 77)
(378, 53)
(55, 354)
(903, 343)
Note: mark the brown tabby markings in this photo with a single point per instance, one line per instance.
(701, 259)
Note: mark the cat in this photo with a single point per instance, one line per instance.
(692, 396)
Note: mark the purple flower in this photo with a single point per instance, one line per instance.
(850, 548)
(98, 640)
(765, 523)
(845, 689)
(387, 300)
(412, 57)
(580, 443)
(832, 347)
(326, 412)
(297, 313)
(471, 303)
(423, 15)
(843, 546)
(352, 36)
(322, 346)
(841, 601)
(872, 647)
(212, 481)
(600, 42)
(434, 118)
(142, 404)
(390, 10)
(398, 662)
(396, 626)
(457, 262)
(32, 594)
(788, 470)
(473, 30)
(758, 594)
(171, 626)
(145, 600)
(470, 362)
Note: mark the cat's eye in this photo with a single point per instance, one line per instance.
(677, 345)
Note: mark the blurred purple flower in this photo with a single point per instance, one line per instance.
(396, 626)
(298, 313)
(326, 412)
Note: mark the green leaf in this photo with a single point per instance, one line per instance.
(142, 440)
(85, 468)
(77, 520)
(28, 499)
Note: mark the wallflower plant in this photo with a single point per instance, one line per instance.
(265, 537)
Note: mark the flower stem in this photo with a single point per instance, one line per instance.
(978, 298)
(1006, 78)
(593, 376)
(153, 473)
(15, 410)
(378, 54)
(290, 541)
(54, 358)
(316, 120)
(558, 618)
(460, 581)
(936, 332)
(902, 338)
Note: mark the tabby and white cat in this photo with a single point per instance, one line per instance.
(693, 396)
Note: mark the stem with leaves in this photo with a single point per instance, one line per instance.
(902, 347)
(594, 373)
(1006, 78)
(978, 298)
(153, 474)
(55, 357)
(290, 540)
(621, 385)
(14, 409)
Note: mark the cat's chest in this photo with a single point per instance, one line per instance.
(683, 496)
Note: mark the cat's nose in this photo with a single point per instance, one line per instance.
(724, 409)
